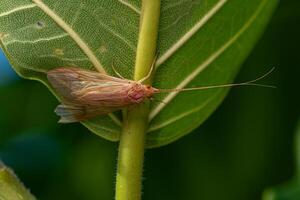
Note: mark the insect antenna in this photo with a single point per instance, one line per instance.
(116, 72)
(248, 83)
(151, 69)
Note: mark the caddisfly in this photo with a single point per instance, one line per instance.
(86, 94)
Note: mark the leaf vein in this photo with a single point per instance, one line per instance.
(182, 115)
(132, 7)
(74, 35)
(25, 7)
(178, 3)
(206, 63)
(80, 42)
(64, 59)
(190, 33)
(76, 15)
(117, 35)
(35, 41)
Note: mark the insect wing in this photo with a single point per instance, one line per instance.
(73, 83)
(76, 113)
(86, 94)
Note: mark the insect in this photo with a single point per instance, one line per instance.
(86, 94)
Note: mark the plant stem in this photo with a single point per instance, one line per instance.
(131, 149)
(11, 187)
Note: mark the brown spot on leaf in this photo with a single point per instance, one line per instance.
(40, 24)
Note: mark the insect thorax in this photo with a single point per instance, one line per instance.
(138, 92)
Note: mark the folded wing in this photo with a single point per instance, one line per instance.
(86, 94)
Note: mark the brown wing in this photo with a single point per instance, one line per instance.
(76, 113)
(86, 94)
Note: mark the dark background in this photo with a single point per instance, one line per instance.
(244, 147)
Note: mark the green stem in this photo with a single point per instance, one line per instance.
(131, 149)
(297, 150)
(11, 187)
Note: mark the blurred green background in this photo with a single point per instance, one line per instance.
(244, 147)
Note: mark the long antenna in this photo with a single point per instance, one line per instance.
(248, 83)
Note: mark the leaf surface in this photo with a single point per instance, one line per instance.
(201, 42)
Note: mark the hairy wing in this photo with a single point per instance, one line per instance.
(76, 113)
(86, 94)
(73, 84)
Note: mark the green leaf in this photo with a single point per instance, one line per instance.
(10, 186)
(201, 42)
